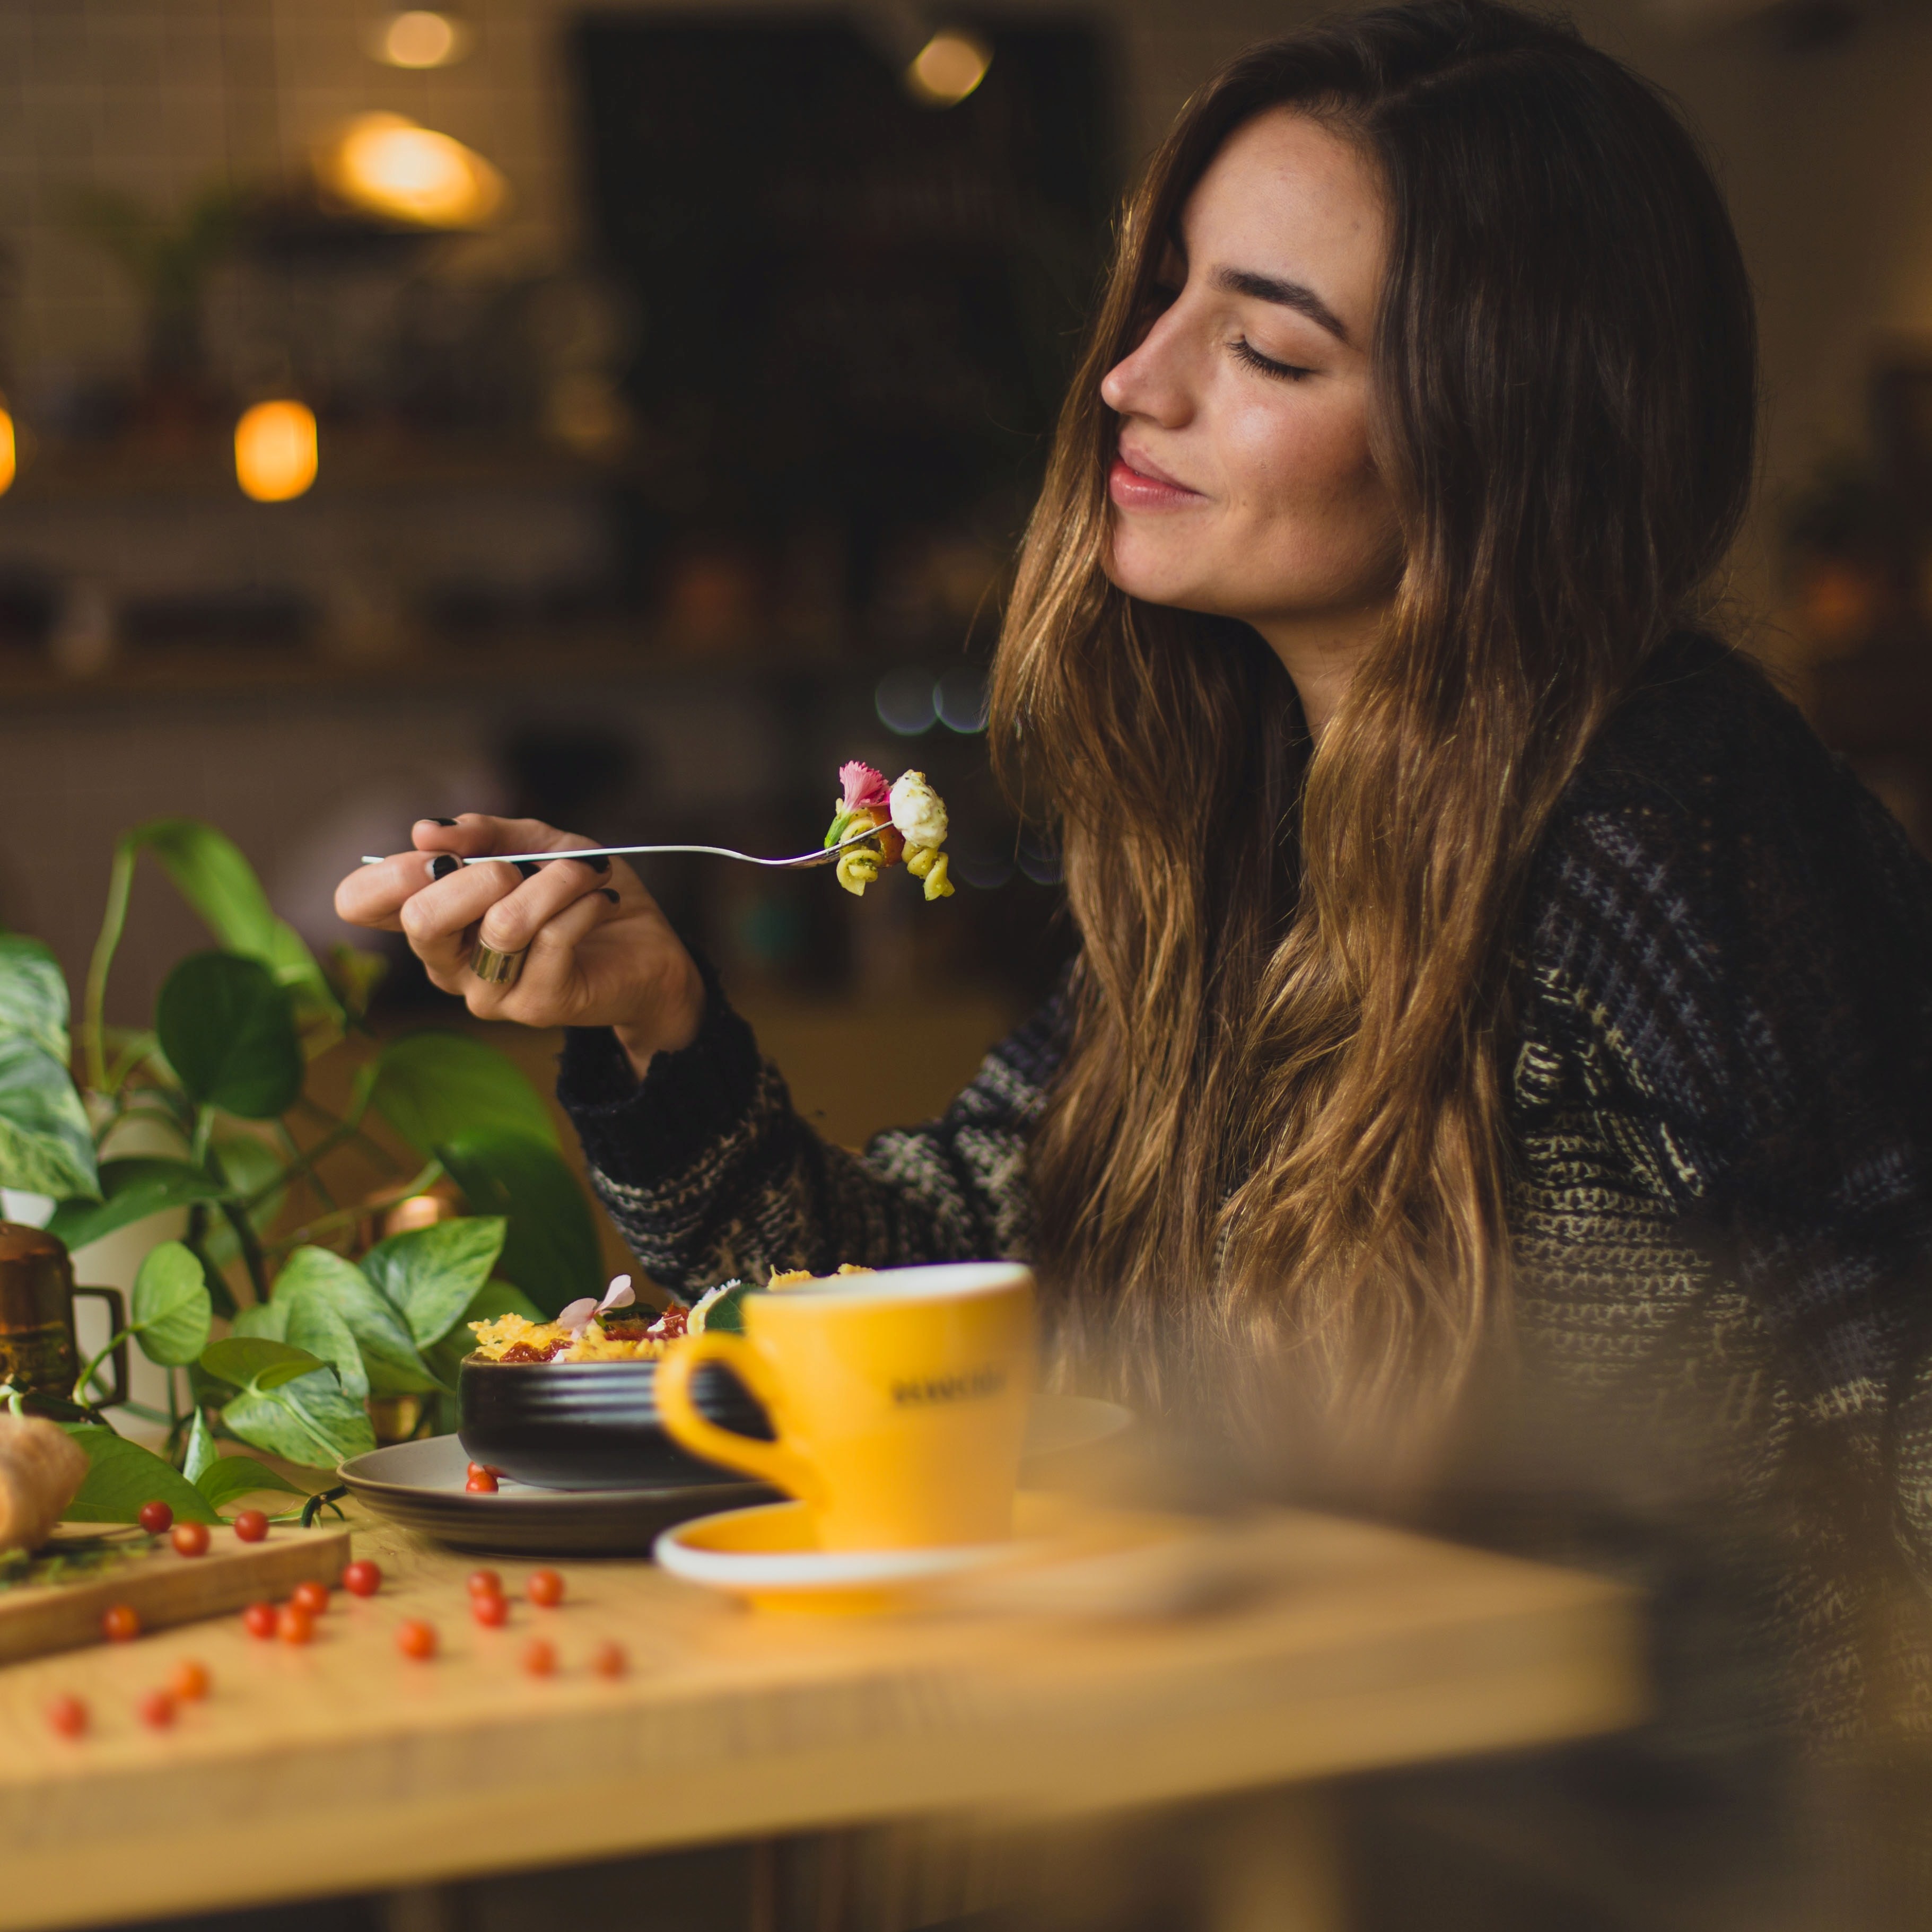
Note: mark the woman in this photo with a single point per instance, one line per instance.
(1496, 1018)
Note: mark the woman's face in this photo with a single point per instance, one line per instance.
(1243, 484)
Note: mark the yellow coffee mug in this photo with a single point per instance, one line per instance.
(899, 1400)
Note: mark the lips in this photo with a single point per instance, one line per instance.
(1136, 483)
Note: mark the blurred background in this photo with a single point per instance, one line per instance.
(622, 414)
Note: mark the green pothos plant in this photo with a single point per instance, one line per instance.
(220, 1081)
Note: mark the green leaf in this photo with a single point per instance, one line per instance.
(170, 1310)
(209, 872)
(229, 1035)
(228, 1476)
(248, 1165)
(432, 1274)
(121, 1476)
(726, 1315)
(133, 1189)
(255, 1362)
(33, 995)
(266, 1321)
(389, 1350)
(45, 1146)
(432, 1086)
(493, 1300)
(314, 1324)
(201, 1449)
(551, 1252)
(308, 1420)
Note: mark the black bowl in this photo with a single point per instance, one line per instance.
(592, 1425)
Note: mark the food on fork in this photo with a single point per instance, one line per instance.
(908, 819)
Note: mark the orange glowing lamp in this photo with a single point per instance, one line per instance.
(10, 453)
(275, 457)
(387, 165)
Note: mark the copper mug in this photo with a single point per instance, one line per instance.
(38, 1353)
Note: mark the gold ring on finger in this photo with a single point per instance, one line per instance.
(494, 968)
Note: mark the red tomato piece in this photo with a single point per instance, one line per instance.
(249, 1525)
(120, 1623)
(481, 1483)
(544, 1588)
(155, 1708)
(485, 1583)
(155, 1517)
(540, 1657)
(362, 1578)
(310, 1596)
(416, 1640)
(608, 1659)
(188, 1682)
(67, 1716)
(294, 1624)
(191, 1539)
(258, 1619)
(492, 1611)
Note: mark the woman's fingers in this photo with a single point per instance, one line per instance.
(374, 896)
(545, 992)
(478, 832)
(513, 921)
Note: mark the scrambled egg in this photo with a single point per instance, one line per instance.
(537, 1341)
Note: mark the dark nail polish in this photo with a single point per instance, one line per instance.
(443, 865)
(610, 893)
(598, 864)
(528, 867)
(443, 821)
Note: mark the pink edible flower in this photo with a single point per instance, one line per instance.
(579, 1315)
(866, 789)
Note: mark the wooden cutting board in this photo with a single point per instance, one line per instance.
(165, 1587)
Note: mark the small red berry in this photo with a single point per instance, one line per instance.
(310, 1596)
(492, 1612)
(416, 1640)
(362, 1578)
(485, 1583)
(251, 1525)
(259, 1619)
(608, 1659)
(484, 1469)
(294, 1624)
(156, 1708)
(188, 1682)
(544, 1588)
(155, 1517)
(120, 1623)
(67, 1716)
(540, 1657)
(481, 1483)
(191, 1539)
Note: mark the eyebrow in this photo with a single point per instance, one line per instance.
(1296, 295)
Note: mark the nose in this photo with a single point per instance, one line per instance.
(1151, 382)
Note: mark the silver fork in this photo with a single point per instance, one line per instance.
(824, 856)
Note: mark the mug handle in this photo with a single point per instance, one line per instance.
(117, 1321)
(769, 1461)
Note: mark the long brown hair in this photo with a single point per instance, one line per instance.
(1281, 1124)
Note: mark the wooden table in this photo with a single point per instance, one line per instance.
(342, 1767)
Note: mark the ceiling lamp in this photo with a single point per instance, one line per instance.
(275, 451)
(419, 38)
(947, 68)
(387, 165)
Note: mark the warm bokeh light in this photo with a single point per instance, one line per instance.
(386, 164)
(9, 450)
(275, 451)
(948, 68)
(420, 38)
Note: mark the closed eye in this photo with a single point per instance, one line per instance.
(1285, 372)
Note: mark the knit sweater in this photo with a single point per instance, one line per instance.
(1720, 1204)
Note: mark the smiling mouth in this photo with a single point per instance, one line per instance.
(1134, 484)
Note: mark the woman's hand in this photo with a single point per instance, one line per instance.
(600, 952)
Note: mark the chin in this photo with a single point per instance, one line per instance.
(1144, 579)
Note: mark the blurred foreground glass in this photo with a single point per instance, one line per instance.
(275, 453)
(387, 165)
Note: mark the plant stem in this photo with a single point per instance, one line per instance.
(86, 1375)
(373, 1149)
(305, 1164)
(252, 1257)
(196, 1241)
(428, 1177)
(120, 883)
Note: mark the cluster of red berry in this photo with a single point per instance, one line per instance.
(294, 1621)
(544, 1588)
(187, 1684)
(482, 1479)
(191, 1539)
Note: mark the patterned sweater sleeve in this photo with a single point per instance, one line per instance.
(1746, 935)
(709, 1172)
